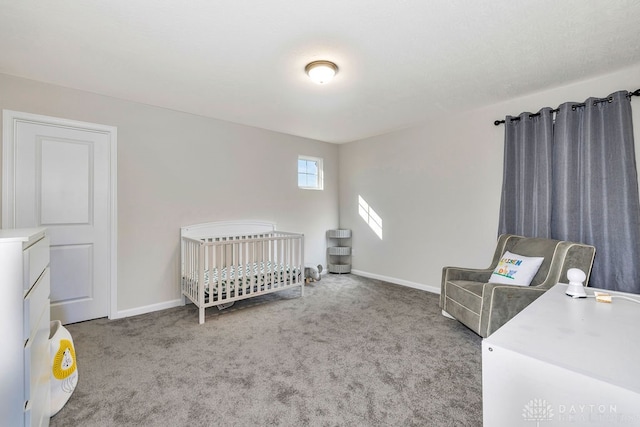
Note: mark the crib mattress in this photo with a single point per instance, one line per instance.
(251, 277)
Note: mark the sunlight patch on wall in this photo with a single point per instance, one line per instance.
(370, 216)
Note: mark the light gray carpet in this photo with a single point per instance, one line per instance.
(352, 352)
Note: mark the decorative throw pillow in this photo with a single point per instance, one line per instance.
(514, 269)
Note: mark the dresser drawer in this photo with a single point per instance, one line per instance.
(37, 365)
(35, 301)
(35, 259)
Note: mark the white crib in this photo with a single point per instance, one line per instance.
(228, 261)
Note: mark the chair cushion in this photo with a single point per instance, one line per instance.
(515, 269)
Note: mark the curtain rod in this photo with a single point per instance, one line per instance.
(609, 99)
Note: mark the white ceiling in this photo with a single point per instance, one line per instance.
(243, 60)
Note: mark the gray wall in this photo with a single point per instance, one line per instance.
(177, 169)
(437, 185)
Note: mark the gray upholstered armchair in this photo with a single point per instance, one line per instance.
(468, 296)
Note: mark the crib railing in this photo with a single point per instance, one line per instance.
(238, 267)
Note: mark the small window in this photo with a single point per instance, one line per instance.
(310, 173)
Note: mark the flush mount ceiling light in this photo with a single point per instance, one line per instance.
(321, 72)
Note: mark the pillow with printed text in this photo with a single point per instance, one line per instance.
(514, 269)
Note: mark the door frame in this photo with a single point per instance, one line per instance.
(10, 119)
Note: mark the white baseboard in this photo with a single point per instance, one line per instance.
(147, 309)
(121, 314)
(422, 287)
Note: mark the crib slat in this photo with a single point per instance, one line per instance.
(235, 262)
(280, 265)
(263, 264)
(282, 247)
(269, 262)
(242, 262)
(201, 282)
(289, 263)
(251, 259)
(247, 272)
(219, 265)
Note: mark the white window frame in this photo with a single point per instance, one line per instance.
(320, 175)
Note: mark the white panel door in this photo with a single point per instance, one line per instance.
(62, 179)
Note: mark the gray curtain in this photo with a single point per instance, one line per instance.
(595, 187)
(525, 208)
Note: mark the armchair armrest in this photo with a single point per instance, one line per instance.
(459, 273)
(472, 274)
(501, 302)
(568, 255)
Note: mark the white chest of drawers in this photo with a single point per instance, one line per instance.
(566, 362)
(24, 327)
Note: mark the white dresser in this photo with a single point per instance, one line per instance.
(564, 362)
(24, 319)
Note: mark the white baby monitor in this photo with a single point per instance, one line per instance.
(576, 283)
